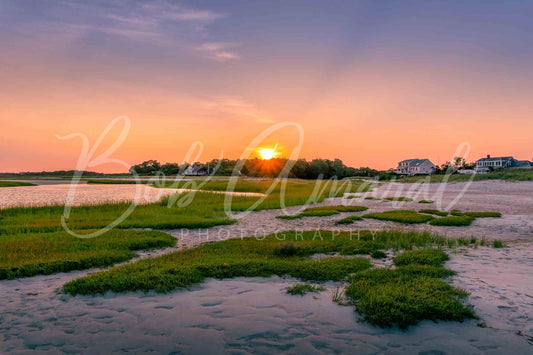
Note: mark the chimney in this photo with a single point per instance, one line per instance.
(488, 156)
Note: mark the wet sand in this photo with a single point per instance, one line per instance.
(254, 315)
(513, 199)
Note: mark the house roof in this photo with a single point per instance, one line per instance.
(415, 162)
(522, 164)
(496, 158)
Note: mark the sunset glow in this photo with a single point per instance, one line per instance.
(251, 165)
(363, 80)
(268, 153)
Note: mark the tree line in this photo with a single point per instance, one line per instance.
(301, 168)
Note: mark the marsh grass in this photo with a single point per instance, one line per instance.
(27, 255)
(205, 210)
(483, 214)
(476, 214)
(510, 174)
(285, 250)
(431, 257)
(453, 221)
(250, 257)
(329, 187)
(435, 212)
(405, 199)
(372, 198)
(349, 220)
(339, 296)
(302, 289)
(241, 185)
(378, 254)
(410, 293)
(4, 183)
(202, 211)
(497, 244)
(402, 216)
(466, 241)
(426, 201)
(324, 211)
(452, 243)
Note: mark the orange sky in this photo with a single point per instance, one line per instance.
(370, 102)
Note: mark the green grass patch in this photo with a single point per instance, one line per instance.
(483, 214)
(324, 211)
(204, 210)
(372, 198)
(281, 254)
(497, 244)
(464, 241)
(476, 214)
(509, 174)
(349, 220)
(378, 254)
(292, 216)
(426, 201)
(402, 216)
(412, 292)
(4, 183)
(435, 212)
(408, 294)
(285, 250)
(27, 255)
(405, 199)
(302, 289)
(453, 221)
(431, 257)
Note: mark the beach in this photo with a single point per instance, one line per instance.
(255, 315)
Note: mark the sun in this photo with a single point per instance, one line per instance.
(267, 153)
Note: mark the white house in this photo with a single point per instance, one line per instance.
(415, 167)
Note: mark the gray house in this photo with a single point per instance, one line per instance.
(415, 167)
(484, 165)
(195, 169)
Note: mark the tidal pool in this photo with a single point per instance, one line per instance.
(88, 194)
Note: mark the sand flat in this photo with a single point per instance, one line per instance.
(251, 315)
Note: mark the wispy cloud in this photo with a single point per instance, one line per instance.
(161, 22)
(238, 107)
(191, 15)
(219, 51)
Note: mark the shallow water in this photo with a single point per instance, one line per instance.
(243, 315)
(254, 315)
(56, 194)
(88, 194)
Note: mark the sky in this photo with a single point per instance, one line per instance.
(369, 82)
